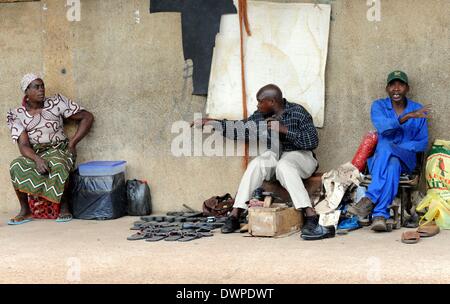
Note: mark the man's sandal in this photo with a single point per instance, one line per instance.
(428, 230)
(410, 237)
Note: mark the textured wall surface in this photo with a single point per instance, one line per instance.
(130, 75)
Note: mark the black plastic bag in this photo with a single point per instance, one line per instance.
(139, 198)
(98, 197)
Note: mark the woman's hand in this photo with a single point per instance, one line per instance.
(41, 165)
(72, 149)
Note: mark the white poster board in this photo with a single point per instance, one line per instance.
(288, 47)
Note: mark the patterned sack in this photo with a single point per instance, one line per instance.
(438, 166)
(436, 203)
(42, 208)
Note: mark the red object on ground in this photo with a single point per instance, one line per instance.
(365, 150)
(43, 209)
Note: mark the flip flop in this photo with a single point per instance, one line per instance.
(189, 236)
(141, 235)
(428, 230)
(206, 234)
(65, 218)
(138, 223)
(148, 218)
(143, 226)
(23, 221)
(175, 213)
(157, 236)
(203, 229)
(410, 237)
(174, 236)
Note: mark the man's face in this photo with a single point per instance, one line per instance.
(397, 90)
(36, 90)
(265, 106)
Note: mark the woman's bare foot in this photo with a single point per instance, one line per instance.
(64, 213)
(24, 214)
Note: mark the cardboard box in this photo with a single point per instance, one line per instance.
(276, 220)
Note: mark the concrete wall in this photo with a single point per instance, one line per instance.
(130, 75)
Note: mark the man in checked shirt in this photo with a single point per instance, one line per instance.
(298, 138)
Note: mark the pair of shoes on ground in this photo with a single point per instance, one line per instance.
(414, 236)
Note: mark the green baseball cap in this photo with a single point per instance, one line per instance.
(397, 75)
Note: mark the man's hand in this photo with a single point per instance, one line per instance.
(421, 113)
(277, 126)
(201, 122)
(41, 165)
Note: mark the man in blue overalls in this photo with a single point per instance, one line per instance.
(402, 132)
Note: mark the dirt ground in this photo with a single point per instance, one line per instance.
(44, 251)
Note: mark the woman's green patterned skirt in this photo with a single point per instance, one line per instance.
(25, 178)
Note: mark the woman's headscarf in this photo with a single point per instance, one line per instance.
(25, 82)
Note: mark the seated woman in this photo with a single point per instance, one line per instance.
(48, 155)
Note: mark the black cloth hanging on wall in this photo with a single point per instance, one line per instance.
(200, 21)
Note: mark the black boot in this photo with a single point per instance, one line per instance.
(311, 230)
(231, 225)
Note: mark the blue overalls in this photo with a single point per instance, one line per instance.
(395, 153)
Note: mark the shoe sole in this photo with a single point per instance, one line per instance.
(226, 232)
(379, 228)
(313, 238)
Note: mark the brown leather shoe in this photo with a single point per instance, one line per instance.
(379, 224)
(362, 208)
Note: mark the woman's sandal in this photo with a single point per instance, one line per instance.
(19, 220)
(64, 218)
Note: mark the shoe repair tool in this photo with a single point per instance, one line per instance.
(268, 197)
(189, 208)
